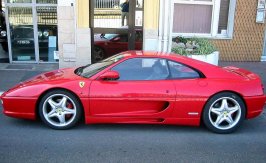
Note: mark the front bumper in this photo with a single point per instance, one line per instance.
(19, 107)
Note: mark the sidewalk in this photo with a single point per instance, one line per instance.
(11, 74)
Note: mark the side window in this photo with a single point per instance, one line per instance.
(180, 71)
(142, 69)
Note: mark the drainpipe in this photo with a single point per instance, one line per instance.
(164, 25)
(263, 57)
(161, 25)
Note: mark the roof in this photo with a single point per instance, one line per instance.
(132, 53)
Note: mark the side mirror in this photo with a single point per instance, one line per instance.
(116, 39)
(110, 75)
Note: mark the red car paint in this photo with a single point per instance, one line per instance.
(146, 102)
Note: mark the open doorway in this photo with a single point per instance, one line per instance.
(117, 26)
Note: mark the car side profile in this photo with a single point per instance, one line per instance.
(141, 88)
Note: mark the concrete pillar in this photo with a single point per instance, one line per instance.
(66, 36)
(74, 33)
(151, 24)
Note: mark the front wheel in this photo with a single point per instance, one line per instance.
(224, 113)
(60, 109)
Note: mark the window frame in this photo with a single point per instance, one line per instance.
(201, 75)
(158, 58)
(214, 22)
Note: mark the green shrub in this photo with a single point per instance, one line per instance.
(192, 46)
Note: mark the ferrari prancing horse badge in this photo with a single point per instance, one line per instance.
(81, 84)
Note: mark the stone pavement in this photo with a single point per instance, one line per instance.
(11, 74)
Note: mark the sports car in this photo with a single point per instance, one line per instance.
(142, 88)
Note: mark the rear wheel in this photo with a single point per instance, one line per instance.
(60, 109)
(224, 113)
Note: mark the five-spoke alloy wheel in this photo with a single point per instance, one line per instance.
(59, 109)
(224, 113)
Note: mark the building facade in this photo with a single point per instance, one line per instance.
(78, 32)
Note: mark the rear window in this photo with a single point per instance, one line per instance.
(180, 71)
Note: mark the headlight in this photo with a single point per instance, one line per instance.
(46, 33)
(40, 33)
(3, 33)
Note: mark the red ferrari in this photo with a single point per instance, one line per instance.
(142, 88)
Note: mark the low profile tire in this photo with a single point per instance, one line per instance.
(224, 113)
(60, 109)
(99, 54)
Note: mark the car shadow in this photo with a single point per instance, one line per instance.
(22, 123)
(249, 126)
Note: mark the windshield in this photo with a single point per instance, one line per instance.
(90, 70)
(109, 36)
(115, 58)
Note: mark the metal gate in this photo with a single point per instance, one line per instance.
(106, 24)
(32, 30)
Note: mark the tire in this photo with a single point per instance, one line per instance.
(224, 113)
(60, 109)
(99, 54)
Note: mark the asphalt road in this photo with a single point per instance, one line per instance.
(32, 142)
(29, 141)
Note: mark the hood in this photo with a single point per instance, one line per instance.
(57, 75)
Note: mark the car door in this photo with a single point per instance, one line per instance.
(141, 91)
(191, 88)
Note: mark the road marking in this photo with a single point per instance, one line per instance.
(1, 93)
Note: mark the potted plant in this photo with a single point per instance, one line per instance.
(197, 48)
